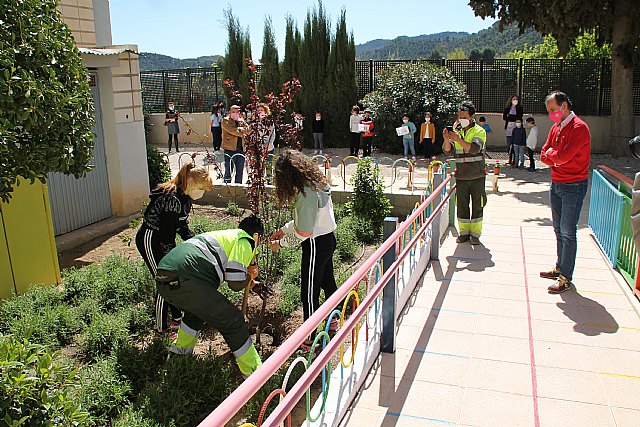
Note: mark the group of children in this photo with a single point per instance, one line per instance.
(520, 141)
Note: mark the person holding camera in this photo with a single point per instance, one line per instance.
(171, 122)
(466, 140)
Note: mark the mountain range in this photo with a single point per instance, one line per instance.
(154, 61)
(404, 47)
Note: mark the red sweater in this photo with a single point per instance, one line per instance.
(568, 152)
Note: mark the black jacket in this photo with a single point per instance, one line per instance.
(511, 117)
(317, 126)
(168, 213)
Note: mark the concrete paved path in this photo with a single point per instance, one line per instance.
(484, 344)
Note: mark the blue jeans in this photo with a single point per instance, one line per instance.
(235, 158)
(566, 204)
(409, 144)
(518, 154)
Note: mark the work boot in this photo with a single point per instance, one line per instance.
(462, 238)
(474, 240)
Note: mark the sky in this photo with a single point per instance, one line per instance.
(192, 28)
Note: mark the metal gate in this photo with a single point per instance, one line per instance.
(79, 202)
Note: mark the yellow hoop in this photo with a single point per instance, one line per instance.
(355, 341)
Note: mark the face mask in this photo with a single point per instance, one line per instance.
(262, 115)
(519, 125)
(318, 117)
(405, 121)
(171, 107)
(427, 119)
(464, 122)
(234, 116)
(555, 116)
(514, 102)
(196, 194)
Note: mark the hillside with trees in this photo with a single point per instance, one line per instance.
(445, 44)
(154, 61)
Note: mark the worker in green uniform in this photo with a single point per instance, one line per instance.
(466, 141)
(189, 276)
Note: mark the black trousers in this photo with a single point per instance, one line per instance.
(152, 252)
(173, 136)
(317, 272)
(355, 144)
(532, 162)
(202, 303)
(427, 148)
(216, 135)
(366, 146)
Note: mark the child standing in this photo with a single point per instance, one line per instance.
(427, 136)
(317, 126)
(519, 138)
(532, 142)
(368, 135)
(483, 122)
(354, 128)
(407, 139)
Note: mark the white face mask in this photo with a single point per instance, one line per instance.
(196, 194)
(405, 121)
(514, 102)
(519, 125)
(464, 122)
(262, 115)
(427, 119)
(318, 117)
(171, 107)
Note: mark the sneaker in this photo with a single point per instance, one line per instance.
(462, 238)
(474, 240)
(531, 169)
(562, 284)
(551, 274)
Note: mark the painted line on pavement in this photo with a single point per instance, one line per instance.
(433, 353)
(534, 378)
(414, 417)
(631, 377)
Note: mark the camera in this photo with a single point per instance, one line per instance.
(450, 128)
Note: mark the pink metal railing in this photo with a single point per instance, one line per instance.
(232, 404)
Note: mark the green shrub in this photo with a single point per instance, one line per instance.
(41, 316)
(365, 231)
(346, 241)
(158, 167)
(102, 390)
(188, 389)
(413, 89)
(130, 417)
(289, 292)
(35, 388)
(368, 199)
(340, 211)
(104, 334)
(201, 224)
(141, 366)
(233, 209)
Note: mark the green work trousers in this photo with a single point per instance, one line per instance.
(470, 192)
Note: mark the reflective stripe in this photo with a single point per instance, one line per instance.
(207, 253)
(235, 276)
(472, 227)
(217, 247)
(236, 266)
(186, 340)
(469, 159)
(242, 350)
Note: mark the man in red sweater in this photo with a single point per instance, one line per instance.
(568, 152)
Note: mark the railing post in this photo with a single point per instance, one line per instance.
(388, 338)
(435, 225)
(452, 201)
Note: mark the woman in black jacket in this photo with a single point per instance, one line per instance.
(512, 112)
(167, 215)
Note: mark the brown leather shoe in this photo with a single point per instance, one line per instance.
(462, 238)
(562, 284)
(551, 274)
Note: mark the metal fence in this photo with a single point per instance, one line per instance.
(489, 84)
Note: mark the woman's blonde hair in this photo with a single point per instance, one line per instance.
(266, 108)
(188, 173)
(293, 172)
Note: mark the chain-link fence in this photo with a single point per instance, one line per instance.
(489, 84)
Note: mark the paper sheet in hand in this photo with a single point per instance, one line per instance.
(402, 130)
(363, 128)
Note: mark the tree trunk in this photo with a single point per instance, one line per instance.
(622, 120)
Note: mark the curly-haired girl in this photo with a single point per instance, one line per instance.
(299, 181)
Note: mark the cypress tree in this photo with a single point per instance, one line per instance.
(341, 82)
(291, 50)
(243, 84)
(314, 51)
(234, 57)
(270, 72)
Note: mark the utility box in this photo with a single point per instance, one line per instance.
(28, 252)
